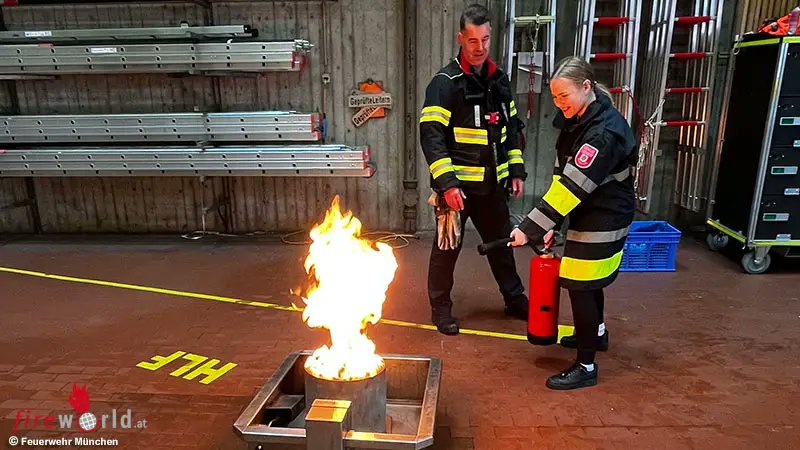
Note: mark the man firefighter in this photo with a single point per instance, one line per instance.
(469, 135)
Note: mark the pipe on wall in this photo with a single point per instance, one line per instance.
(410, 183)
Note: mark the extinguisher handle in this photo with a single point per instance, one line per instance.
(541, 249)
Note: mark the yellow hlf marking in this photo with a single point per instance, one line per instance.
(207, 367)
(193, 361)
(208, 370)
(160, 361)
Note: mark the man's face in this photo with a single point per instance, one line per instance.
(474, 40)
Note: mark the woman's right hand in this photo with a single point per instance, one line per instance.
(549, 239)
(519, 237)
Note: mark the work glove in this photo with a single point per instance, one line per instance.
(448, 223)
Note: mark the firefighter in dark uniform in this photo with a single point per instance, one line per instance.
(468, 131)
(593, 185)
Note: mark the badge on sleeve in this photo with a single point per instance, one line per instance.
(585, 156)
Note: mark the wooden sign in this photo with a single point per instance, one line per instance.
(371, 100)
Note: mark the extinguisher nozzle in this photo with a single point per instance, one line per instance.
(485, 248)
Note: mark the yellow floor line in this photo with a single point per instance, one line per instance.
(563, 330)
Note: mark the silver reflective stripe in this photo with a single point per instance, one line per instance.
(557, 164)
(597, 237)
(540, 219)
(619, 176)
(579, 178)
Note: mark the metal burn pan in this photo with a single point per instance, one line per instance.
(274, 418)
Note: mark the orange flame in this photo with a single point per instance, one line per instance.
(350, 278)
(79, 399)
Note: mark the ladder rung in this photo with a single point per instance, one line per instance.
(609, 56)
(610, 22)
(681, 123)
(685, 90)
(690, 55)
(692, 20)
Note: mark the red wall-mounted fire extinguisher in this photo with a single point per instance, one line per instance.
(544, 292)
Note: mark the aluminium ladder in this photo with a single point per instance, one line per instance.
(623, 57)
(270, 161)
(100, 128)
(697, 65)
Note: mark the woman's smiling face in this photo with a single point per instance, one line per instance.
(570, 97)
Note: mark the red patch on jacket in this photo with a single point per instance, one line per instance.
(585, 156)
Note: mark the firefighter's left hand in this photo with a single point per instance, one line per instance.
(516, 187)
(519, 237)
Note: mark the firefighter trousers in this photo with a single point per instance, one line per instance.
(489, 214)
(587, 312)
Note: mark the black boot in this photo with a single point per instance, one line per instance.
(573, 378)
(517, 308)
(572, 342)
(444, 321)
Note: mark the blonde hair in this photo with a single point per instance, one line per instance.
(578, 70)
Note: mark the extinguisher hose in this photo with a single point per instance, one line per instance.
(485, 248)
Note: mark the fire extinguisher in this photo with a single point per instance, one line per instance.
(543, 293)
(543, 299)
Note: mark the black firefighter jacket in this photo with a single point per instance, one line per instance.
(593, 184)
(469, 129)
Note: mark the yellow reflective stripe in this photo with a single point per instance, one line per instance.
(561, 198)
(513, 108)
(435, 114)
(515, 157)
(469, 173)
(470, 169)
(471, 131)
(587, 269)
(556, 178)
(464, 177)
(436, 109)
(441, 166)
(502, 171)
(503, 135)
(471, 136)
(476, 141)
(478, 132)
(441, 120)
(468, 140)
(440, 162)
(442, 171)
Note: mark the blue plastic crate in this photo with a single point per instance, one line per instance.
(650, 247)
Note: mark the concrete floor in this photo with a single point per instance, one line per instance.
(706, 357)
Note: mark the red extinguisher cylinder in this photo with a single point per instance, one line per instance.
(543, 300)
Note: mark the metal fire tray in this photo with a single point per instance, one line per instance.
(272, 419)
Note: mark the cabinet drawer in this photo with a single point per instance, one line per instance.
(791, 72)
(778, 217)
(786, 132)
